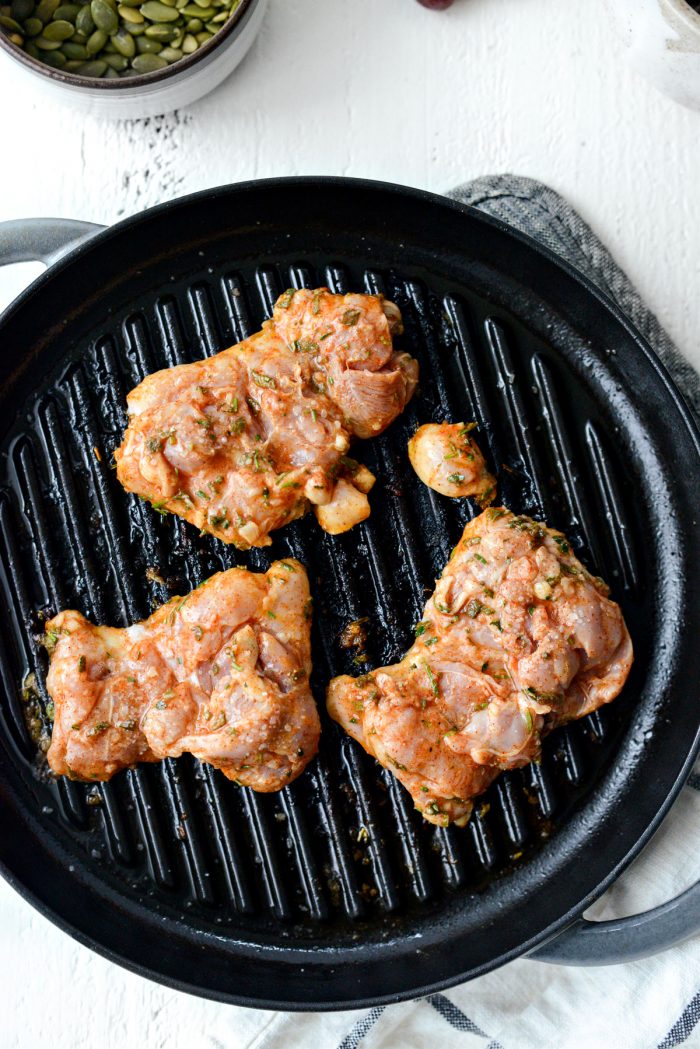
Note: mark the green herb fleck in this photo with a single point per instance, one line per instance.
(100, 727)
(431, 677)
(263, 380)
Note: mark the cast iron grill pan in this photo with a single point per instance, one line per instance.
(300, 899)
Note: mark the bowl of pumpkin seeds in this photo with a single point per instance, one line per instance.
(129, 57)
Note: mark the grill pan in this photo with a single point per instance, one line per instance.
(334, 893)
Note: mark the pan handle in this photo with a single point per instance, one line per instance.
(587, 942)
(41, 240)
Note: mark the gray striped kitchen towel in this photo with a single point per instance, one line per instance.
(649, 1004)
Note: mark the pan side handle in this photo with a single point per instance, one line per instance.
(587, 942)
(41, 240)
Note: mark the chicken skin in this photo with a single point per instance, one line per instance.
(518, 638)
(248, 440)
(222, 674)
(447, 458)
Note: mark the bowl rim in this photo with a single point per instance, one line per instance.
(75, 80)
(686, 12)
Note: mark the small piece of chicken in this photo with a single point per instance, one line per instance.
(222, 674)
(518, 638)
(248, 440)
(447, 458)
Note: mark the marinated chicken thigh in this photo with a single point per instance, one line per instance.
(447, 458)
(518, 638)
(222, 674)
(248, 440)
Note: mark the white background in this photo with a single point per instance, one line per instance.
(387, 90)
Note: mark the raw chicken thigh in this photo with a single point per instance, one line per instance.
(222, 674)
(248, 440)
(518, 638)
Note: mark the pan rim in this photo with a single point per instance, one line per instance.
(419, 195)
(691, 426)
(340, 1005)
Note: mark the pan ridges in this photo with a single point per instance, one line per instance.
(343, 844)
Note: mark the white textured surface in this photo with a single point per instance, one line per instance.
(388, 90)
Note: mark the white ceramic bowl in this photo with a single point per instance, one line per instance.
(661, 39)
(152, 93)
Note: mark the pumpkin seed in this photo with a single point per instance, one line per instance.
(111, 74)
(66, 13)
(73, 65)
(60, 30)
(96, 68)
(33, 26)
(157, 12)
(9, 23)
(134, 29)
(118, 62)
(45, 9)
(96, 41)
(84, 22)
(148, 63)
(202, 38)
(195, 25)
(189, 44)
(55, 59)
(164, 33)
(16, 38)
(171, 54)
(205, 13)
(21, 9)
(124, 44)
(130, 14)
(46, 45)
(73, 50)
(144, 46)
(32, 50)
(104, 16)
